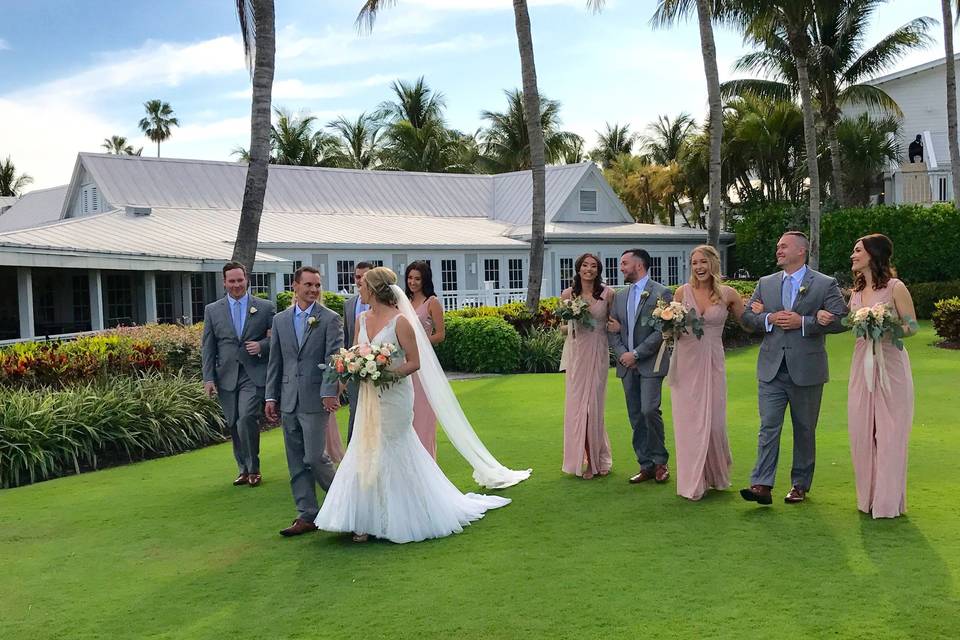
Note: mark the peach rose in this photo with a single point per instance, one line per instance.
(365, 350)
(667, 314)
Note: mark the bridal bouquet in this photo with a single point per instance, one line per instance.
(575, 310)
(365, 363)
(673, 319)
(873, 324)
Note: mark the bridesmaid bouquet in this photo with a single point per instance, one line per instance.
(575, 310)
(368, 363)
(673, 319)
(873, 323)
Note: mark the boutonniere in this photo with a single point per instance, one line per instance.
(644, 295)
(801, 291)
(253, 310)
(312, 320)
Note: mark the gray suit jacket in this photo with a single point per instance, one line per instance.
(804, 349)
(222, 353)
(294, 377)
(646, 341)
(350, 319)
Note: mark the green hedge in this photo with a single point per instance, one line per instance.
(927, 294)
(332, 301)
(49, 433)
(924, 238)
(480, 345)
(946, 319)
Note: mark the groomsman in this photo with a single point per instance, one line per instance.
(635, 346)
(303, 338)
(234, 353)
(352, 309)
(792, 365)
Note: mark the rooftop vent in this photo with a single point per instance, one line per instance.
(138, 211)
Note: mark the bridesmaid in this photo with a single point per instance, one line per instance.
(419, 281)
(586, 447)
(333, 443)
(879, 421)
(698, 391)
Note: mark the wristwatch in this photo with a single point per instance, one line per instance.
(635, 354)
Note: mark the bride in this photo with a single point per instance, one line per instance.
(387, 485)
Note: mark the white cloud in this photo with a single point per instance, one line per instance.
(295, 89)
(4, 45)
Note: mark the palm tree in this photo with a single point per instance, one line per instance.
(947, 7)
(668, 13)
(868, 145)
(160, 118)
(506, 141)
(574, 153)
(295, 142)
(838, 71)
(666, 137)
(258, 28)
(12, 184)
(118, 145)
(615, 140)
(358, 141)
(414, 102)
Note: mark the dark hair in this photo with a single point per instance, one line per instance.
(363, 265)
(597, 284)
(426, 278)
(641, 254)
(230, 266)
(880, 249)
(304, 269)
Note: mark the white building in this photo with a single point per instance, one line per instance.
(133, 239)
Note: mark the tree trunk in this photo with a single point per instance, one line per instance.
(531, 106)
(951, 99)
(839, 193)
(158, 148)
(245, 247)
(709, 49)
(799, 51)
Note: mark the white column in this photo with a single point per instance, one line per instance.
(276, 281)
(96, 300)
(150, 295)
(25, 301)
(186, 299)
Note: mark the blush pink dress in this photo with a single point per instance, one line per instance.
(586, 447)
(333, 444)
(424, 419)
(698, 396)
(879, 422)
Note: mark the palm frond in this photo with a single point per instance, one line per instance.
(368, 13)
(913, 35)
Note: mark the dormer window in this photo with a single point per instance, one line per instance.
(89, 199)
(588, 201)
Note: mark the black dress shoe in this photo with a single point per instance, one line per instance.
(241, 480)
(757, 493)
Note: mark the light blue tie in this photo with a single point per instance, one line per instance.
(632, 314)
(299, 326)
(237, 318)
(786, 293)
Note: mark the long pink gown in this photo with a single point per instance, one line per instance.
(333, 443)
(585, 441)
(879, 422)
(424, 419)
(698, 397)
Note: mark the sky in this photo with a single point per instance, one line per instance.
(73, 72)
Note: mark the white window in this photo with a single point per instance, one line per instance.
(448, 275)
(588, 201)
(515, 273)
(288, 277)
(611, 271)
(655, 271)
(673, 270)
(345, 269)
(491, 271)
(259, 283)
(566, 273)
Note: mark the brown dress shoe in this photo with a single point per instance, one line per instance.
(643, 476)
(299, 527)
(254, 479)
(661, 473)
(758, 493)
(241, 480)
(796, 495)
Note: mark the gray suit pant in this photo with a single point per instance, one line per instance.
(304, 437)
(353, 394)
(804, 404)
(643, 409)
(242, 408)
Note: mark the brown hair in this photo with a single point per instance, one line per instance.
(304, 269)
(597, 283)
(379, 281)
(713, 259)
(230, 266)
(880, 249)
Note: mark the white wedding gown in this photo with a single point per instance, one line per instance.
(387, 484)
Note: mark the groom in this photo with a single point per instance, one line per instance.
(792, 365)
(304, 337)
(636, 346)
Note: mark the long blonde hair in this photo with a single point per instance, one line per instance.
(713, 261)
(379, 280)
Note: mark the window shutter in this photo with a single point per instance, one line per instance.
(588, 201)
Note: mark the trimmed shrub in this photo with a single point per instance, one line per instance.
(178, 345)
(540, 350)
(485, 345)
(758, 227)
(946, 319)
(284, 300)
(446, 352)
(927, 294)
(334, 301)
(50, 433)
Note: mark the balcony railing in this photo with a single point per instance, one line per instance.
(915, 183)
(463, 298)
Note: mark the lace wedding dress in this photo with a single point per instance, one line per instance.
(387, 485)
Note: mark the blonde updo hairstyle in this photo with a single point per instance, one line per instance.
(713, 261)
(378, 281)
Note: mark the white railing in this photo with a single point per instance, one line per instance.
(914, 183)
(463, 298)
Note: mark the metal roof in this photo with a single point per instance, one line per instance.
(635, 231)
(920, 68)
(34, 208)
(513, 192)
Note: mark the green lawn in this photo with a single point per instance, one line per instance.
(168, 549)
